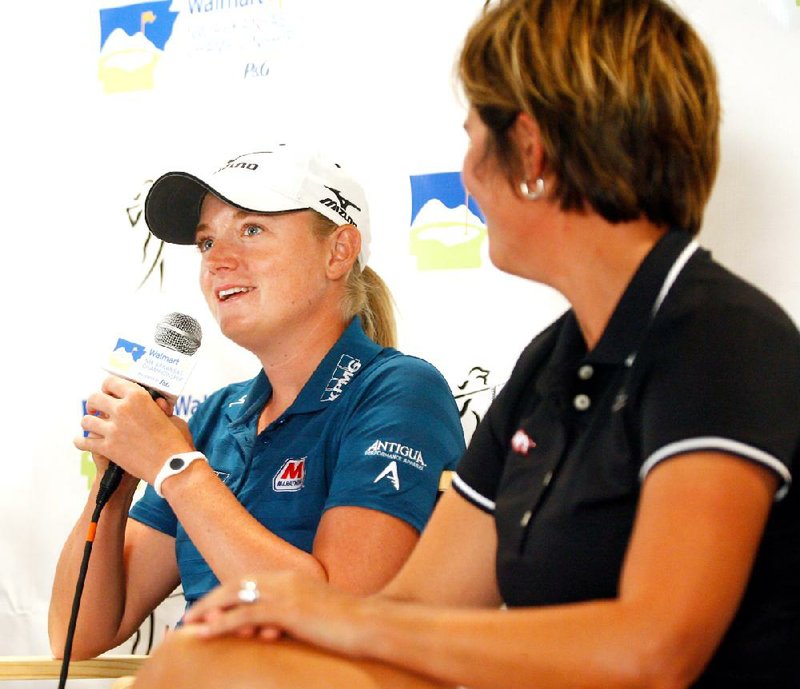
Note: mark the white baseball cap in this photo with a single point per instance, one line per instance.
(274, 181)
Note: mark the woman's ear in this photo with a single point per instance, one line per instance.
(527, 139)
(345, 245)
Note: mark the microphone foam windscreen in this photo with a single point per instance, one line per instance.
(179, 332)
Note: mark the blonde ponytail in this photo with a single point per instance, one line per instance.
(368, 290)
(366, 296)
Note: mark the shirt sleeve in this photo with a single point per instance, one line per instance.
(155, 512)
(727, 382)
(402, 432)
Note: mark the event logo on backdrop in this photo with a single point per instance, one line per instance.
(132, 42)
(173, 42)
(473, 397)
(447, 227)
(152, 247)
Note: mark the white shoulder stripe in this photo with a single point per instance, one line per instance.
(724, 445)
(676, 269)
(472, 494)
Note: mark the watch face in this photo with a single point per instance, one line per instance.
(176, 463)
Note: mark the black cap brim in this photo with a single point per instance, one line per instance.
(172, 207)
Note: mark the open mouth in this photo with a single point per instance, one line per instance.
(225, 294)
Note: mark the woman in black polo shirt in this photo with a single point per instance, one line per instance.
(627, 495)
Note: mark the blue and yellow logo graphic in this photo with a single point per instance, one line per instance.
(126, 354)
(447, 227)
(132, 40)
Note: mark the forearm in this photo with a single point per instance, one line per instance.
(600, 644)
(103, 599)
(230, 539)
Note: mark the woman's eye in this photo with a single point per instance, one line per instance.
(251, 230)
(205, 244)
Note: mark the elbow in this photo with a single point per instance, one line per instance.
(667, 662)
(81, 648)
(79, 652)
(57, 640)
(56, 649)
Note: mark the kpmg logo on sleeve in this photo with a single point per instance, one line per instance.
(344, 372)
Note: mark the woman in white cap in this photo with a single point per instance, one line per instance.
(317, 465)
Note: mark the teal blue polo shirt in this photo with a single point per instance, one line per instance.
(371, 428)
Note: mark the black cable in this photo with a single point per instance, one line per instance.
(108, 485)
(152, 633)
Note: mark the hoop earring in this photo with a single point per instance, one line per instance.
(537, 192)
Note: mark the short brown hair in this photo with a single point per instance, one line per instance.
(625, 96)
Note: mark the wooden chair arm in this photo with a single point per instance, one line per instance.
(45, 667)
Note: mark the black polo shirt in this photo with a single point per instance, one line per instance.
(692, 359)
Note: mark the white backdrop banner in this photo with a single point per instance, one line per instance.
(102, 97)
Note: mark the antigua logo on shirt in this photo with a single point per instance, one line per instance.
(390, 473)
(290, 476)
(397, 452)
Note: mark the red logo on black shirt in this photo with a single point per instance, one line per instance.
(521, 442)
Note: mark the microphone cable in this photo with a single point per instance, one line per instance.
(108, 484)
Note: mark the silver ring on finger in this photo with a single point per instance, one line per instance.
(248, 591)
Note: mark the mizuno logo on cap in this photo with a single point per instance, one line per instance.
(341, 206)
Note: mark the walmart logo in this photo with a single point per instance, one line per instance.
(447, 227)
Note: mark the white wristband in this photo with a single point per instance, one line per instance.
(175, 465)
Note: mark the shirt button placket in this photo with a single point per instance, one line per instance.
(582, 401)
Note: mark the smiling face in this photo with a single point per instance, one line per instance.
(263, 275)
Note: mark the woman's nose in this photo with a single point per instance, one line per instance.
(221, 256)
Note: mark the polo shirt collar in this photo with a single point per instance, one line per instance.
(642, 298)
(351, 353)
(633, 313)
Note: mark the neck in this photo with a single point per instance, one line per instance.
(599, 261)
(290, 363)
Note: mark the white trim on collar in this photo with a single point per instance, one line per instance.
(673, 273)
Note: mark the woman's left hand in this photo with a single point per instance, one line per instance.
(270, 605)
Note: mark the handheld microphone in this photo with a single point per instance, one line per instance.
(161, 368)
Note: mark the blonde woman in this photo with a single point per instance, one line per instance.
(319, 465)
